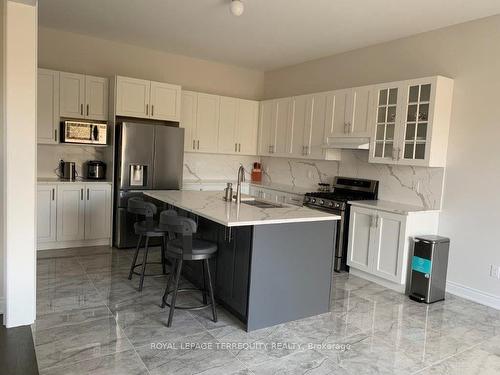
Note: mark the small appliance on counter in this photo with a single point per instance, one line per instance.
(428, 268)
(67, 170)
(95, 170)
(257, 172)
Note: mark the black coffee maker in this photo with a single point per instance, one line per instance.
(95, 170)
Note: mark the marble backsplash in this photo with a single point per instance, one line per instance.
(48, 157)
(410, 185)
(202, 167)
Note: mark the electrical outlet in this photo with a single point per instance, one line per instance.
(495, 271)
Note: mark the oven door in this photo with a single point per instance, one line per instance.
(340, 245)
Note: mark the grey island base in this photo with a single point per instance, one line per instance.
(273, 265)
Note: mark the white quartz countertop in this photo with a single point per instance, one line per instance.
(210, 205)
(56, 180)
(394, 207)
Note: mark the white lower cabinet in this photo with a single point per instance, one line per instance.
(380, 243)
(73, 214)
(46, 213)
(97, 211)
(70, 212)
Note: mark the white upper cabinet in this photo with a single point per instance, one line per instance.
(247, 126)
(308, 126)
(165, 101)
(188, 119)
(283, 143)
(132, 97)
(267, 127)
(72, 95)
(200, 118)
(336, 113)
(238, 126)
(96, 98)
(47, 106)
(147, 99)
(411, 122)
(83, 97)
(228, 122)
(207, 122)
(348, 112)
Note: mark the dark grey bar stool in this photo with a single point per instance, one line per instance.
(147, 228)
(185, 248)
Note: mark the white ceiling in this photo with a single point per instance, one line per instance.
(270, 34)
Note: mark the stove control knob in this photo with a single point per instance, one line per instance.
(321, 202)
(313, 200)
(330, 204)
(306, 199)
(337, 205)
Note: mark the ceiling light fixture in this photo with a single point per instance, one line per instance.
(237, 7)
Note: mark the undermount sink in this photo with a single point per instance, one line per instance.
(262, 204)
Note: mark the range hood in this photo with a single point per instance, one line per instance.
(356, 143)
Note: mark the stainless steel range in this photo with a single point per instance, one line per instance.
(344, 189)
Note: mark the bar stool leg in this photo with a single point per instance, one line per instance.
(169, 281)
(174, 293)
(211, 290)
(163, 260)
(204, 292)
(135, 257)
(144, 264)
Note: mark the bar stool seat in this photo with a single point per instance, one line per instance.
(147, 228)
(201, 249)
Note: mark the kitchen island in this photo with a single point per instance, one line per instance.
(273, 265)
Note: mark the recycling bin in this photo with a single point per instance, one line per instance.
(428, 268)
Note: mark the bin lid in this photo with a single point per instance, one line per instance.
(432, 238)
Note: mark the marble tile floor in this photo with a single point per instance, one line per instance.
(92, 320)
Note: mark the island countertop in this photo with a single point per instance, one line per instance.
(210, 205)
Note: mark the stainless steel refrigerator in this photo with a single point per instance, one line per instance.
(147, 157)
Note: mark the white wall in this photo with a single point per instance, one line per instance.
(19, 163)
(470, 54)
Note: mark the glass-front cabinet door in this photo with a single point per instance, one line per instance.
(385, 141)
(417, 117)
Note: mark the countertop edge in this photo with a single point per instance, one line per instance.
(405, 209)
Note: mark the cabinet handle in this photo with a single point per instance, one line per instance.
(345, 127)
(399, 154)
(198, 144)
(269, 149)
(55, 135)
(88, 109)
(81, 194)
(194, 144)
(147, 109)
(53, 194)
(88, 194)
(349, 127)
(235, 147)
(307, 150)
(81, 109)
(152, 110)
(239, 147)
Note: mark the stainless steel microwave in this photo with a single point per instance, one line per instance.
(84, 132)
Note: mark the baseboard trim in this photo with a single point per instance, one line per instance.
(68, 244)
(472, 294)
(378, 280)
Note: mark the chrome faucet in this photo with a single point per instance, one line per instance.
(241, 178)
